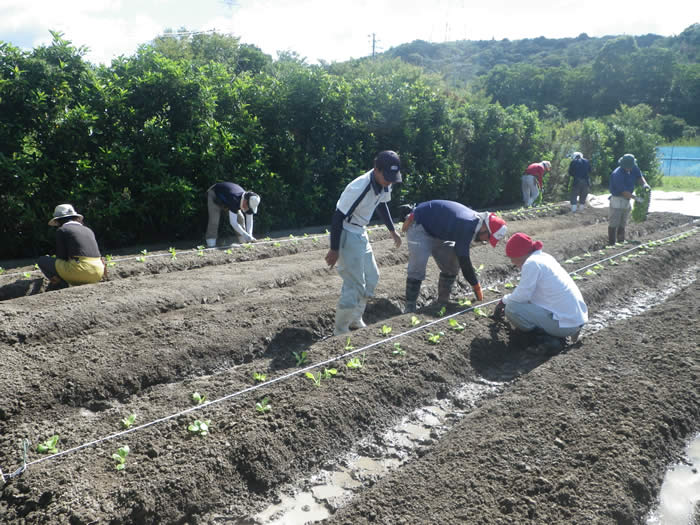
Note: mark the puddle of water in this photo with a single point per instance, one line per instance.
(641, 302)
(330, 490)
(680, 491)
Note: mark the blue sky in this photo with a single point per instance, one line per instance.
(331, 30)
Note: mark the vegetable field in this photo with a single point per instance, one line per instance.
(205, 386)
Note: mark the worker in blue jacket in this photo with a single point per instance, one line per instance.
(622, 182)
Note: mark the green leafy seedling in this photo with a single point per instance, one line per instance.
(199, 398)
(509, 286)
(108, 259)
(414, 321)
(398, 350)
(276, 244)
(576, 277)
(301, 357)
(263, 406)
(141, 259)
(348, 345)
(200, 251)
(442, 311)
(199, 427)
(599, 267)
(480, 312)
(328, 373)
(144, 252)
(464, 302)
(120, 457)
(478, 270)
(385, 330)
(454, 324)
(356, 362)
(492, 289)
(2, 270)
(36, 266)
(589, 272)
(613, 262)
(315, 378)
(229, 251)
(49, 446)
(27, 274)
(128, 421)
(267, 239)
(259, 377)
(173, 254)
(434, 339)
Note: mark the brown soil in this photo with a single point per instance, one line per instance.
(581, 437)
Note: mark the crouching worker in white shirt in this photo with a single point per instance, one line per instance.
(546, 300)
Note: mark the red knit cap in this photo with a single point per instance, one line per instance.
(521, 244)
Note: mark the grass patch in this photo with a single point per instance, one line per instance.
(679, 184)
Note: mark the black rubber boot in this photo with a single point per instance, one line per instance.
(612, 235)
(412, 291)
(445, 284)
(620, 235)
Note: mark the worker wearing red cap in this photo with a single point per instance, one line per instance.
(546, 299)
(446, 230)
(532, 181)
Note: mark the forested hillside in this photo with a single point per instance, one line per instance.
(582, 76)
(134, 145)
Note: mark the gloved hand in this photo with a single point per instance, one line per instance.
(477, 291)
(647, 187)
(500, 311)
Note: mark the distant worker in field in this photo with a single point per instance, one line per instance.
(580, 173)
(546, 299)
(622, 182)
(446, 230)
(532, 181)
(78, 259)
(241, 205)
(350, 246)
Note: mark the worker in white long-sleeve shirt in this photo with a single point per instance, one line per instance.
(350, 246)
(546, 299)
(241, 205)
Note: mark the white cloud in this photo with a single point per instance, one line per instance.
(331, 30)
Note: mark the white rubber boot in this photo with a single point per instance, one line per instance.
(343, 318)
(359, 310)
(211, 243)
(573, 208)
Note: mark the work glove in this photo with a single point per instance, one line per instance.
(500, 311)
(647, 187)
(477, 291)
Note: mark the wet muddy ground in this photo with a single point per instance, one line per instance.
(583, 436)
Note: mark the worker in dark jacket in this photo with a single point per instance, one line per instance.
(622, 182)
(241, 205)
(446, 230)
(78, 259)
(580, 173)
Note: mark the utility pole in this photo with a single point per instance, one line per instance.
(374, 43)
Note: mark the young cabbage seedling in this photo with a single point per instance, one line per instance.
(454, 324)
(576, 277)
(508, 286)
(301, 357)
(398, 350)
(479, 311)
(478, 270)
(173, 254)
(315, 378)
(200, 251)
(434, 339)
(414, 321)
(263, 406)
(120, 457)
(348, 346)
(229, 251)
(492, 289)
(385, 330)
(27, 274)
(199, 398)
(2, 270)
(199, 427)
(442, 311)
(276, 244)
(259, 377)
(464, 302)
(589, 272)
(127, 422)
(48, 446)
(356, 362)
(328, 373)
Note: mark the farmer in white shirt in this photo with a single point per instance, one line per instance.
(546, 300)
(350, 246)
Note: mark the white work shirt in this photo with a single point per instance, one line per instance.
(362, 214)
(545, 283)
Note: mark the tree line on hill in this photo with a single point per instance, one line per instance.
(134, 145)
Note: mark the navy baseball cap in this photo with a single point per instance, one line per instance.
(390, 165)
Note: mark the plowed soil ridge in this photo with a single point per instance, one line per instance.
(78, 360)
